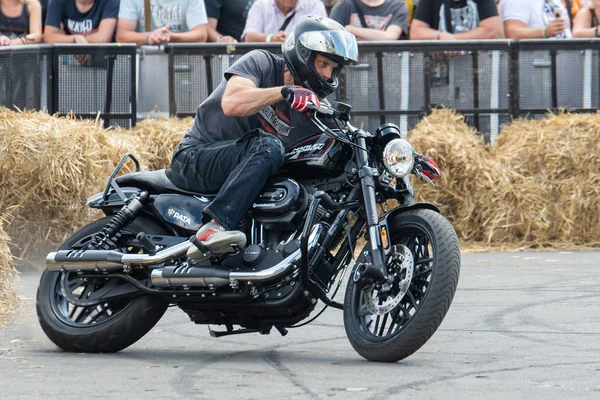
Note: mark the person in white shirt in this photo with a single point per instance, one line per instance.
(171, 21)
(272, 20)
(535, 19)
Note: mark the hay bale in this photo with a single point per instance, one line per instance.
(48, 168)
(8, 297)
(161, 137)
(539, 185)
(561, 156)
(465, 164)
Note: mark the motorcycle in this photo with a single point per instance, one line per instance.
(112, 281)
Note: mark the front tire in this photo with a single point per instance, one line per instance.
(389, 325)
(103, 328)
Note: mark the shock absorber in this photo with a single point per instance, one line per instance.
(120, 221)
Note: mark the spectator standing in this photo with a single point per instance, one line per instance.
(372, 20)
(170, 21)
(456, 20)
(20, 22)
(586, 23)
(272, 20)
(227, 19)
(81, 21)
(535, 19)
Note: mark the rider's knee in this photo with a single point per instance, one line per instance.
(272, 146)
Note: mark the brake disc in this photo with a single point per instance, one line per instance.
(400, 266)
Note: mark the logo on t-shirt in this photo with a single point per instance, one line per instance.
(83, 27)
(274, 121)
(373, 21)
(463, 19)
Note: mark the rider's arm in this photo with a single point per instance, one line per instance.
(243, 98)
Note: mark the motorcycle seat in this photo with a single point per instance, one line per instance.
(157, 181)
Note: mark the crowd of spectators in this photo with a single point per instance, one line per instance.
(127, 21)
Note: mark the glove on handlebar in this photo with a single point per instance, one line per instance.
(299, 97)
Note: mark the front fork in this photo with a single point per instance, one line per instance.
(376, 272)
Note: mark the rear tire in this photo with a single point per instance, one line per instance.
(111, 326)
(420, 309)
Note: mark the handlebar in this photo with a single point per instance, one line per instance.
(324, 109)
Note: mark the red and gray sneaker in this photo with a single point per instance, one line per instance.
(216, 240)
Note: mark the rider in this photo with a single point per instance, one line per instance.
(241, 130)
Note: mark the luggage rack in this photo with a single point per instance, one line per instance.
(112, 183)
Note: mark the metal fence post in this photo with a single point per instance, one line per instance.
(381, 86)
(513, 79)
(172, 102)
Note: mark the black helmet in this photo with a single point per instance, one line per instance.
(311, 35)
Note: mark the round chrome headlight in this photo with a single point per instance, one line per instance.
(398, 158)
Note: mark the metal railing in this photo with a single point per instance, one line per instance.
(89, 80)
(489, 82)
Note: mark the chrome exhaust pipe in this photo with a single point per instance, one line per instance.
(109, 260)
(113, 261)
(203, 276)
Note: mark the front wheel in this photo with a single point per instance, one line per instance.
(390, 322)
(104, 327)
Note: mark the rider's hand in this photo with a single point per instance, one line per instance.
(299, 97)
(5, 41)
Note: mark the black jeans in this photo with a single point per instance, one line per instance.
(236, 170)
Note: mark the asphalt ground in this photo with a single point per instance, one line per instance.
(522, 326)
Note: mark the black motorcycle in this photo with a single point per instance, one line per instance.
(112, 281)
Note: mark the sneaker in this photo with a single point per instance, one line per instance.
(217, 240)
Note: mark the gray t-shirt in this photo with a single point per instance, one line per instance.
(265, 70)
(391, 12)
(178, 15)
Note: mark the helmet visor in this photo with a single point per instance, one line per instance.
(337, 43)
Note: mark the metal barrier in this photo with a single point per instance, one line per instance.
(88, 80)
(26, 77)
(489, 81)
(96, 80)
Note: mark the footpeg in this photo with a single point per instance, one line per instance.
(147, 244)
(205, 251)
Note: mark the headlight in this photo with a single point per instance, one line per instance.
(398, 158)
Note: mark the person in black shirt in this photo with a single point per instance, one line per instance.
(242, 129)
(226, 19)
(81, 21)
(456, 20)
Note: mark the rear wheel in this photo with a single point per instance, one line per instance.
(100, 326)
(389, 323)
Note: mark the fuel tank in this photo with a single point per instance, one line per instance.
(317, 156)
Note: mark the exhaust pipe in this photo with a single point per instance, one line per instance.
(112, 261)
(206, 276)
(109, 260)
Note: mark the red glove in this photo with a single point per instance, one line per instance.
(299, 97)
(430, 168)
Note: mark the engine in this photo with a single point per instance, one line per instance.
(281, 205)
